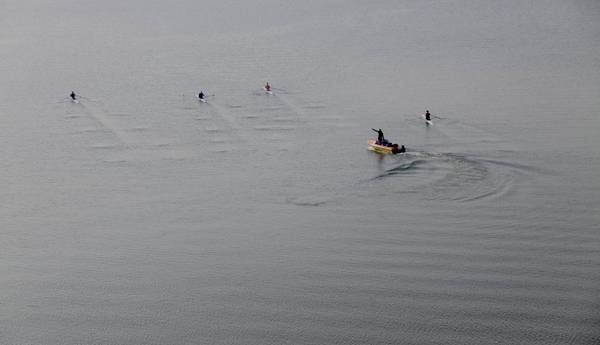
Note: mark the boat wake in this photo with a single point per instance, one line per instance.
(448, 177)
(424, 176)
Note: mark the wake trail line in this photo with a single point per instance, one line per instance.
(222, 115)
(101, 117)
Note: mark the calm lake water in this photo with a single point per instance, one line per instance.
(142, 216)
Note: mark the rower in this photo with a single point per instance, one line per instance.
(73, 96)
(201, 95)
(427, 115)
(402, 149)
(267, 86)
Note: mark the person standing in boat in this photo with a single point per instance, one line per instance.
(380, 138)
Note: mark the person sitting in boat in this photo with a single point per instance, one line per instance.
(267, 86)
(380, 139)
(201, 95)
(73, 96)
(427, 115)
(396, 149)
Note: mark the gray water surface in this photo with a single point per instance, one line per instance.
(142, 216)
